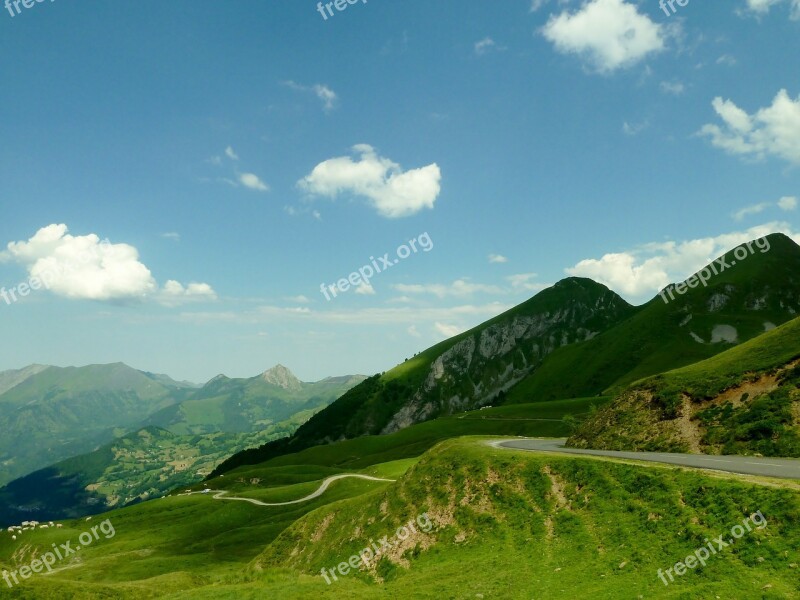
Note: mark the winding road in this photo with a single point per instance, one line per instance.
(222, 494)
(785, 468)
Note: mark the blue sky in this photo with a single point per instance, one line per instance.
(185, 175)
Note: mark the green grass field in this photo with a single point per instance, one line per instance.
(507, 524)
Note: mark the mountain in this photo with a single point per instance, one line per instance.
(743, 401)
(54, 413)
(473, 369)
(59, 412)
(10, 379)
(249, 404)
(575, 339)
(745, 299)
(136, 467)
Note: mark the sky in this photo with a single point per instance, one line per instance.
(197, 187)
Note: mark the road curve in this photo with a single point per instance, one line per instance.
(785, 468)
(222, 494)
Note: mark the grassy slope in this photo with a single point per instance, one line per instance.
(415, 440)
(508, 524)
(633, 420)
(140, 465)
(654, 340)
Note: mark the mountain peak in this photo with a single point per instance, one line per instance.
(282, 377)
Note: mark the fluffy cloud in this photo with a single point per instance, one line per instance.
(497, 259)
(253, 182)
(446, 330)
(365, 289)
(771, 131)
(607, 34)
(761, 7)
(175, 294)
(523, 282)
(647, 269)
(787, 203)
(393, 192)
(229, 152)
(86, 268)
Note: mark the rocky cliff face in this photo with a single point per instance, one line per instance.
(489, 361)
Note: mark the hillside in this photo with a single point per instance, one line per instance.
(487, 521)
(53, 413)
(136, 467)
(251, 404)
(60, 412)
(741, 302)
(550, 419)
(471, 370)
(743, 401)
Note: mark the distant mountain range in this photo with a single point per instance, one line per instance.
(575, 339)
(48, 414)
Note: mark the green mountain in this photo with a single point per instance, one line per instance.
(10, 379)
(54, 413)
(249, 405)
(747, 298)
(743, 401)
(576, 339)
(136, 467)
(473, 369)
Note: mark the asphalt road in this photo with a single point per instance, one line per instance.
(786, 468)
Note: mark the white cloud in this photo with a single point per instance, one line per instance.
(523, 282)
(412, 331)
(727, 60)
(607, 34)
(676, 88)
(485, 45)
(459, 288)
(365, 289)
(786, 203)
(252, 181)
(175, 294)
(85, 268)
(536, 5)
(762, 7)
(229, 152)
(771, 131)
(299, 299)
(171, 235)
(647, 269)
(392, 192)
(446, 330)
(327, 95)
(497, 259)
(322, 91)
(750, 210)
